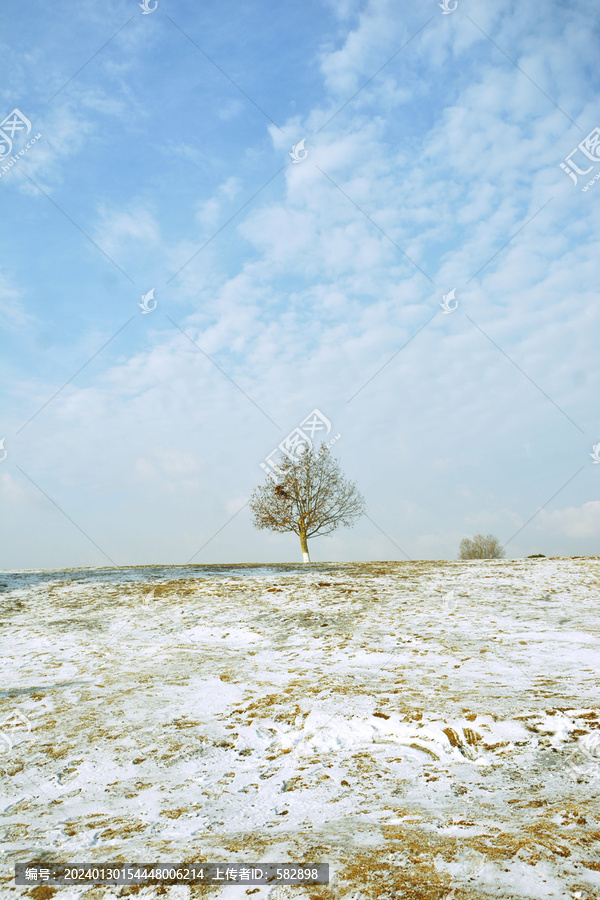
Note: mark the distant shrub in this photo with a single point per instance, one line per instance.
(537, 556)
(481, 547)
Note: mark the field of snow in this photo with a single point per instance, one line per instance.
(428, 729)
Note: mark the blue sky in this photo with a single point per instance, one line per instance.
(433, 147)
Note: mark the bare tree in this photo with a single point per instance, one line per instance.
(481, 547)
(307, 496)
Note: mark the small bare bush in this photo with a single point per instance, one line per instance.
(481, 547)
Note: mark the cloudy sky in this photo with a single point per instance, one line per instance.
(162, 160)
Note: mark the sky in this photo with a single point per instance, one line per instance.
(151, 155)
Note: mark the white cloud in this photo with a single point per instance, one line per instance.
(230, 109)
(574, 522)
(169, 466)
(365, 49)
(13, 311)
(120, 230)
(211, 213)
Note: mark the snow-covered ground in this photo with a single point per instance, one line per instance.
(428, 729)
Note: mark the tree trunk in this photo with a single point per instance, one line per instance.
(304, 545)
